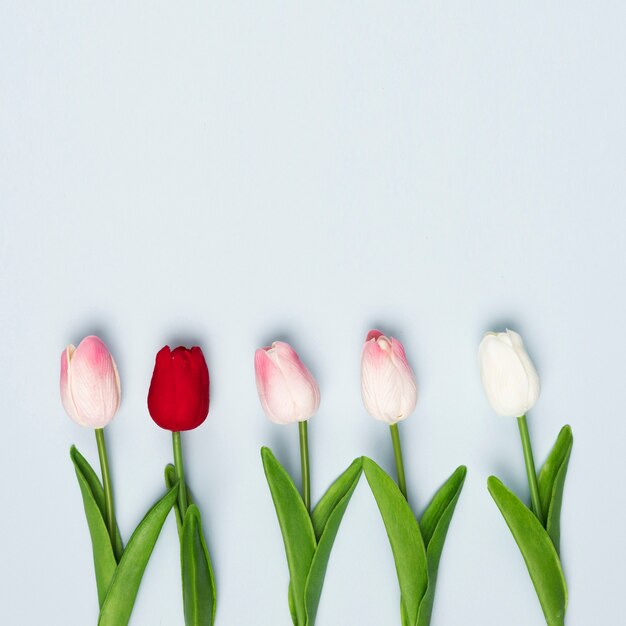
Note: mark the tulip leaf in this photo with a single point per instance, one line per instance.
(292, 605)
(118, 604)
(326, 519)
(552, 481)
(170, 478)
(81, 463)
(93, 502)
(434, 525)
(537, 549)
(296, 527)
(405, 537)
(198, 582)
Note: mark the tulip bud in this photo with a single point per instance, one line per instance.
(287, 390)
(508, 375)
(178, 398)
(388, 384)
(90, 385)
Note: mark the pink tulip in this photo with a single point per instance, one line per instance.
(90, 385)
(387, 380)
(287, 390)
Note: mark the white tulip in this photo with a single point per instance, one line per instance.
(508, 375)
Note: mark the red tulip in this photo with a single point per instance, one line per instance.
(178, 398)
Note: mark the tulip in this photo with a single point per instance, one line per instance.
(287, 390)
(178, 398)
(90, 385)
(508, 375)
(90, 393)
(388, 388)
(288, 393)
(512, 387)
(387, 381)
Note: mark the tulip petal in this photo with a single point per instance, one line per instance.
(65, 385)
(274, 394)
(299, 381)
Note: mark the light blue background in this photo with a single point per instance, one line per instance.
(231, 173)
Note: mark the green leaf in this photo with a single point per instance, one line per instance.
(551, 482)
(170, 478)
(198, 582)
(118, 604)
(434, 524)
(296, 527)
(326, 519)
(98, 493)
(405, 538)
(93, 501)
(537, 549)
(292, 605)
(334, 494)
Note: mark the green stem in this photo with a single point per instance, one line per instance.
(530, 468)
(180, 472)
(304, 461)
(397, 452)
(106, 483)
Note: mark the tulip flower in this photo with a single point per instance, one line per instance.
(387, 380)
(90, 385)
(512, 387)
(178, 400)
(288, 393)
(389, 394)
(90, 393)
(388, 388)
(508, 375)
(287, 390)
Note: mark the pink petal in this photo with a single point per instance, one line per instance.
(66, 394)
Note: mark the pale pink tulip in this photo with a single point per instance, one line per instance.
(387, 380)
(287, 390)
(90, 385)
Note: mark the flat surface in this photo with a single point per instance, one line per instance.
(232, 173)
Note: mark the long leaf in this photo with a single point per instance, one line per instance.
(120, 598)
(326, 519)
(97, 492)
(405, 538)
(103, 556)
(198, 582)
(537, 549)
(434, 524)
(552, 481)
(296, 528)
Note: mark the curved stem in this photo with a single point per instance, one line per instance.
(530, 468)
(106, 483)
(304, 462)
(180, 472)
(397, 452)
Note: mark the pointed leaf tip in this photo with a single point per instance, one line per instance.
(552, 482)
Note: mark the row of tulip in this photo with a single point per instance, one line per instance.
(178, 400)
